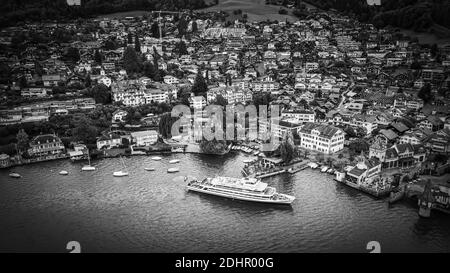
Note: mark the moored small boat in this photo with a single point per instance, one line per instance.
(88, 168)
(173, 170)
(156, 158)
(120, 174)
(15, 175)
(149, 169)
(174, 161)
(63, 172)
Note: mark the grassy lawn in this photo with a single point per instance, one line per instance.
(256, 10)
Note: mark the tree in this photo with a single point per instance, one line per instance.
(181, 48)
(425, 93)
(282, 11)
(85, 132)
(182, 26)
(213, 147)
(22, 140)
(261, 99)
(220, 100)
(149, 70)
(129, 38)
(110, 44)
(131, 61)
(137, 44)
(155, 29)
(184, 96)
(200, 87)
(194, 26)
(358, 146)
(125, 142)
(287, 148)
(165, 125)
(5, 72)
(98, 58)
(101, 94)
(73, 55)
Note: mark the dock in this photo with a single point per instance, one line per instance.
(270, 174)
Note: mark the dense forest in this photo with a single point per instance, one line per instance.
(417, 15)
(14, 11)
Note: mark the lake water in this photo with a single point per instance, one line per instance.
(152, 212)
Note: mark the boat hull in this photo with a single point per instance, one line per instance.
(242, 198)
(120, 174)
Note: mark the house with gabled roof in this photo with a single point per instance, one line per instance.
(322, 138)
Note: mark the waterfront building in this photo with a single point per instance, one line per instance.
(43, 145)
(364, 170)
(322, 138)
(144, 138)
(397, 156)
(108, 141)
(4, 160)
(79, 152)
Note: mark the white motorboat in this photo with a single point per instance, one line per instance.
(174, 161)
(120, 174)
(88, 168)
(246, 189)
(156, 158)
(173, 170)
(149, 169)
(63, 172)
(15, 175)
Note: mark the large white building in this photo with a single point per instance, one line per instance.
(299, 116)
(197, 102)
(144, 138)
(134, 93)
(326, 139)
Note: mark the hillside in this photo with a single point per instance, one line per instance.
(418, 15)
(256, 10)
(14, 11)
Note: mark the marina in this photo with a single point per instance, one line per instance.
(96, 209)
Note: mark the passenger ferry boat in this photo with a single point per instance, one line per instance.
(246, 189)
